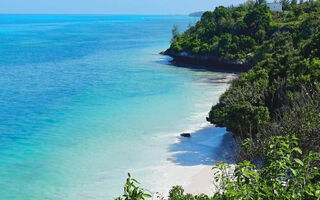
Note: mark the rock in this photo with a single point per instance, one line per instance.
(214, 62)
(185, 135)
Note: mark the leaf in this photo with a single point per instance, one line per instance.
(147, 195)
(298, 161)
(134, 180)
(317, 193)
(294, 172)
(296, 149)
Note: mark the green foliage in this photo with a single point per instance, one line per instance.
(283, 176)
(302, 118)
(287, 61)
(175, 33)
(237, 33)
(241, 108)
(132, 191)
(177, 193)
(311, 48)
(258, 22)
(229, 33)
(269, 107)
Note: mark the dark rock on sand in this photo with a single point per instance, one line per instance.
(185, 135)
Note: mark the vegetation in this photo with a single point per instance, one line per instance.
(273, 105)
(281, 91)
(283, 85)
(229, 33)
(240, 33)
(283, 176)
(132, 191)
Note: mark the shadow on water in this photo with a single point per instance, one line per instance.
(205, 147)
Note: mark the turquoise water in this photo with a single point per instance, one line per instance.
(85, 99)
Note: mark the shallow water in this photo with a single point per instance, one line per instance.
(85, 99)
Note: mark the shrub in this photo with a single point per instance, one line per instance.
(283, 176)
(133, 192)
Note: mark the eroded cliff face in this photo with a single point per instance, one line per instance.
(206, 60)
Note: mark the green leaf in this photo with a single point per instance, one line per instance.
(296, 149)
(147, 195)
(294, 172)
(317, 193)
(298, 161)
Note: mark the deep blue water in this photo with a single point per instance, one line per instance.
(85, 99)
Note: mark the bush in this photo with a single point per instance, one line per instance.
(132, 191)
(287, 60)
(283, 176)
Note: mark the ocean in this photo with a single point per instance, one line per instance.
(87, 98)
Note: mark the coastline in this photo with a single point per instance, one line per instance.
(212, 63)
(191, 159)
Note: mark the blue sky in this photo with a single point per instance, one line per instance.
(111, 6)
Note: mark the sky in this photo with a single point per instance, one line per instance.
(110, 6)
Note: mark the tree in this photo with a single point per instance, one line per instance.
(282, 176)
(175, 33)
(285, 4)
(260, 2)
(258, 20)
(311, 48)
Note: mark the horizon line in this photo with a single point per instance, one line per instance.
(96, 13)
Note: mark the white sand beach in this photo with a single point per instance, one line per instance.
(192, 160)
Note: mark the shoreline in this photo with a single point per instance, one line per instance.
(191, 159)
(208, 62)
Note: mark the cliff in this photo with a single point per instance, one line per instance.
(211, 61)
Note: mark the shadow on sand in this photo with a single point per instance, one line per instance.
(205, 147)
